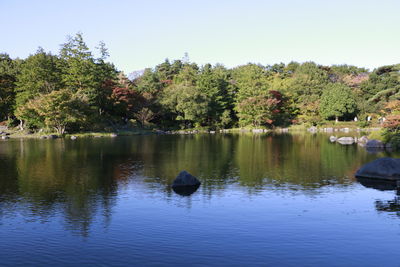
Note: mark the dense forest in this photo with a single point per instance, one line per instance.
(77, 91)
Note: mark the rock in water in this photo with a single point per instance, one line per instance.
(345, 140)
(332, 138)
(185, 179)
(382, 168)
(363, 139)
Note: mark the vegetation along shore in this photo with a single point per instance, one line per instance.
(78, 91)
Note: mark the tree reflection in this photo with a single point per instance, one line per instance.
(81, 179)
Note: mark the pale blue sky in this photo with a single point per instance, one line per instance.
(143, 33)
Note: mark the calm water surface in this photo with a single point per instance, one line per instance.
(285, 200)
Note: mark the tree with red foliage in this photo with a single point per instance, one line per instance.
(126, 101)
(131, 104)
(392, 111)
(263, 110)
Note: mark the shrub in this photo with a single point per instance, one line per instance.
(395, 141)
(378, 135)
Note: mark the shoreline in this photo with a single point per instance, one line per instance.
(10, 134)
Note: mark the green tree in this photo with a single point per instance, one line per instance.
(252, 84)
(305, 86)
(214, 83)
(90, 78)
(148, 82)
(78, 66)
(57, 110)
(337, 101)
(8, 75)
(186, 103)
(39, 74)
(188, 75)
(382, 86)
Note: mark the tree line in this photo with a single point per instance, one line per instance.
(78, 91)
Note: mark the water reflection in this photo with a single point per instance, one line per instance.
(390, 206)
(378, 184)
(185, 190)
(82, 179)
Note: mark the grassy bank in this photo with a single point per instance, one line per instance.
(352, 126)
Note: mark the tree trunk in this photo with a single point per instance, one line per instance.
(21, 125)
(60, 130)
(336, 119)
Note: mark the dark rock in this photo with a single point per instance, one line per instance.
(382, 168)
(185, 179)
(52, 136)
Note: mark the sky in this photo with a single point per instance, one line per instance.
(144, 33)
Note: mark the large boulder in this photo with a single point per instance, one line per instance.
(345, 140)
(185, 179)
(382, 168)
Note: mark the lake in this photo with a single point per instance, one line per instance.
(265, 199)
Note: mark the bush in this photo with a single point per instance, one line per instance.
(395, 141)
(363, 123)
(378, 135)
